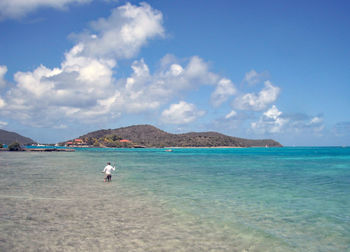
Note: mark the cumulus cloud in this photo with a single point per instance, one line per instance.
(316, 124)
(260, 101)
(68, 91)
(223, 91)
(83, 86)
(20, 8)
(305, 123)
(198, 69)
(316, 120)
(181, 113)
(2, 103)
(253, 77)
(3, 71)
(123, 33)
(194, 74)
(270, 122)
(143, 91)
(2, 124)
(273, 121)
(230, 115)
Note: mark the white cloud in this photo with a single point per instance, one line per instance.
(198, 69)
(83, 87)
(270, 122)
(260, 101)
(191, 76)
(143, 91)
(316, 120)
(231, 114)
(223, 91)
(253, 78)
(86, 88)
(2, 103)
(20, 8)
(273, 113)
(273, 121)
(60, 126)
(2, 124)
(123, 33)
(3, 71)
(70, 91)
(181, 113)
(316, 123)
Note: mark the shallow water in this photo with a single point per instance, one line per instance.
(257, 199)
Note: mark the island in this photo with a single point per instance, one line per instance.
(148, 136)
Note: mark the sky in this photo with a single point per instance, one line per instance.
(254, 69)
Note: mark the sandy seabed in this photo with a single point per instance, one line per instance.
(100, 221)
(59, 202)
(57, 208)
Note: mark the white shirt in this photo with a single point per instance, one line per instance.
(108, 169)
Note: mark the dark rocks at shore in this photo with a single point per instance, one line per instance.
(48, 150)
(41, 150)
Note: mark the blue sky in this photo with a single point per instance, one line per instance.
(253, 69)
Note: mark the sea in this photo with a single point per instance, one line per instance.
(187, 199)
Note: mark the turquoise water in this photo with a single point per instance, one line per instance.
(255, 199)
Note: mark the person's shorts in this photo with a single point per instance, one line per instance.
(109, 176)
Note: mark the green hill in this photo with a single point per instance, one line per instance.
(150, 136)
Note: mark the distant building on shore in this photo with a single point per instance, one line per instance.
(76, 143)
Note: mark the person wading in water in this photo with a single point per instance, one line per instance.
(108, 171)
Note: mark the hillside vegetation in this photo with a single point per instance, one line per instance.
(7, 137)
(150, 136)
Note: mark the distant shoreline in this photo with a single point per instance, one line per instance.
(39, 150)
(71, 149)
(204, 147)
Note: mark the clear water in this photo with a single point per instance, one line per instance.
(255, 199)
